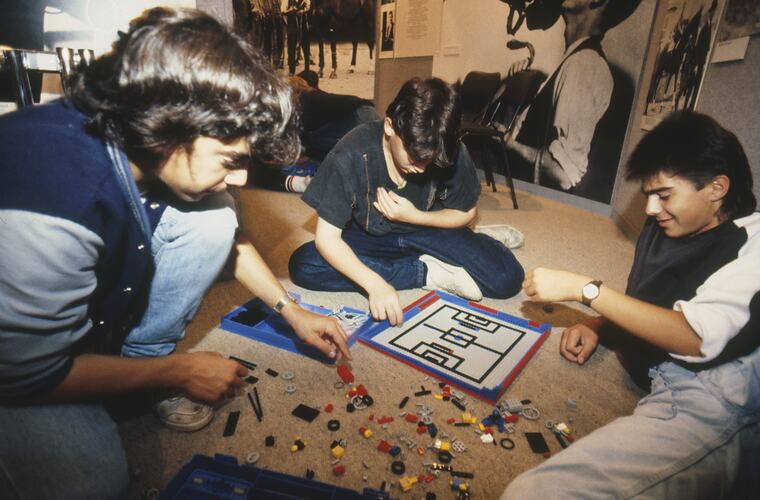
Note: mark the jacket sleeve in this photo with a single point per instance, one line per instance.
(47, 275)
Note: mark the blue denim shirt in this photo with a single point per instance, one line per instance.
(346, 183)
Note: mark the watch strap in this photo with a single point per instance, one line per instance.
(284, 300)
(588, 300)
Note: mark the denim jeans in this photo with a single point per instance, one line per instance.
(74, 450)
(694, 436)
(190, 246)
(395, 257)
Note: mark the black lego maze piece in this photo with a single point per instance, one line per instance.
(251, 379)
(231, 425)
(269, 441)
(459, 405)
(465, 475)
(271, 373)
(403, 402)
(422, 392)
(305, 412)
(537, 442)
(248, 364)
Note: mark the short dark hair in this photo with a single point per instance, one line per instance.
(426, 115)
(179, 74)
(310, 77)
(694, 146)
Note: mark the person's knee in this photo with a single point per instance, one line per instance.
(211, 230)
(508, 282)
(299, 263)
(518, 489)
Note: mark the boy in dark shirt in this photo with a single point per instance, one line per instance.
(394, 199)
(692, 300)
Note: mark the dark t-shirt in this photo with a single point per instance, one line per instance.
(346, 183)
(666, 270)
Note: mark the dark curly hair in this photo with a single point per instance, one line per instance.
(179, 74)
(694, 146)
(426, 115)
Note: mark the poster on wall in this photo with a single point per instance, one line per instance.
(742, 18)
(387, 28)
(569, 134)
(418, 27)
(683, 52)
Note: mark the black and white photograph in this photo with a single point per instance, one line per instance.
(570, 131)
(683, 53)
(387, 29)
(742, 18)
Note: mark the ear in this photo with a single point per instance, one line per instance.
(388, 127)
(719, 187)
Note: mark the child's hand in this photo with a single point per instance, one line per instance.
(550, 285)
(385, 304)
(395, 207)
(578, 343)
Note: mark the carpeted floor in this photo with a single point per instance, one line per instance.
(555, 235)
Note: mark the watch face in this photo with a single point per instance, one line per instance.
(590, 291)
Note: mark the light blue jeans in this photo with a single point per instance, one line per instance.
(74, 451)
(694, 436)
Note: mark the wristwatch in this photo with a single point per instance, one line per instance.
(590, 291)
(284, 300)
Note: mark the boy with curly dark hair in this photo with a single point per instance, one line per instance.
(115, 222)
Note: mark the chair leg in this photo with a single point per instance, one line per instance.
(508, 172)
(22, 89)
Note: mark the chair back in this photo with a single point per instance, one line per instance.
(513, 95)
(20, 63)
(477, 92)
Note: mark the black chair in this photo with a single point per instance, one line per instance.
(20, 63)
(489, 128)
(476, 92)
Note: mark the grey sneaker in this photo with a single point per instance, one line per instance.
(452, 279)
(181, 414)
(504, 234)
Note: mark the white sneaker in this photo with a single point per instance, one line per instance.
(297, 183)
(504, 234)
(182, 414)
(452, 279)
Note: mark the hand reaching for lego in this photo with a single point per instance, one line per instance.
(207, 376)
(385, 304)
(395, 207)
(322, 332)
(551, 285)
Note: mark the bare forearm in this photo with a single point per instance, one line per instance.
(93, 377)
(340, 256)
(253, 273)
(447, 218)
(663, 328)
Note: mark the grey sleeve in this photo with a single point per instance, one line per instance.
(47, 274)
